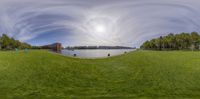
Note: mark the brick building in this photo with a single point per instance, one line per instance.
(57, 47)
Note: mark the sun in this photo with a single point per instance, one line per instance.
(100, 29)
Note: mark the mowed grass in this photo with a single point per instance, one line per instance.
(139, 74)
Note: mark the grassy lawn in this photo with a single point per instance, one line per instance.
(140, 74)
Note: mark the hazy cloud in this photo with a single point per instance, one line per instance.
(73, 22)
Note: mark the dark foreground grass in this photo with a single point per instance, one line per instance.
(140, 74)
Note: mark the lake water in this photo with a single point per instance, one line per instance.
(95, 53)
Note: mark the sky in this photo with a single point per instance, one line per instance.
(96, 22)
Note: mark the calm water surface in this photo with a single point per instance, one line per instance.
(95, 53)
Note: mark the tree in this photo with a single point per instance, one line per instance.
(8, 43)
(182, 41)
(195, 39)
(5, 41)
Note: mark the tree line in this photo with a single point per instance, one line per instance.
(7, 43)
(182, 41)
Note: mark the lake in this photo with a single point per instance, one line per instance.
(95, 53)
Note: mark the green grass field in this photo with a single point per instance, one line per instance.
(139, 74)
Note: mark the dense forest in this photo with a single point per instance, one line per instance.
(182, 41)
(7, 43)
